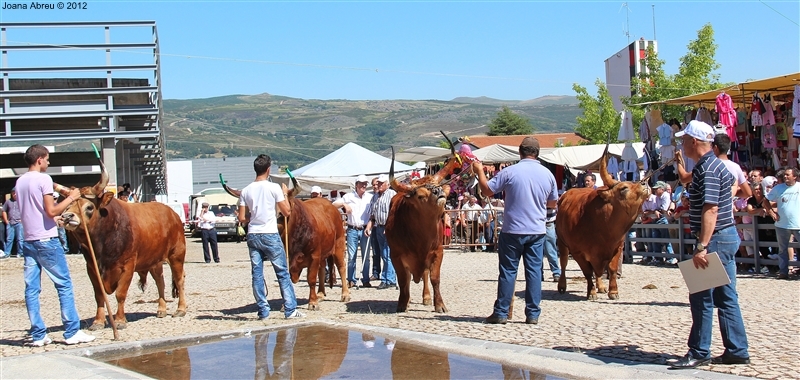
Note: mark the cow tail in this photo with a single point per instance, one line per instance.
(142, 280)
(332, 277)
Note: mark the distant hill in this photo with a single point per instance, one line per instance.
(298, 131)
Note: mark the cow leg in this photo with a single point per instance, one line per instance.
(426, 290)
(613, 268)
(342, 267)
(99, 321)
(563, 257)
(313, 273)
(599, 268)
(438, 302)
(125, 275)
(404, 282)
(588, 273)
(157, 272)
(176, 267)
(321, 292)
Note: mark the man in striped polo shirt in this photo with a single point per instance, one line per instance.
(380, 213)
(711, 221)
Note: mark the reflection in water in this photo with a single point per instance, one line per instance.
(315, 352)
(172, 364)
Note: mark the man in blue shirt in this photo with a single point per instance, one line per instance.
(711, 221)
(786, 197)
(530, 189)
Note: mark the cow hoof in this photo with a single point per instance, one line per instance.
(602, 290)
(314, 307)
(121, 325)
(592, 297)
(97, 326)
(441, 309)
(427, 302)
(179, 313)
(613, 296)
(345, 299)
(161, 314)
(320, 296)
(401, 309)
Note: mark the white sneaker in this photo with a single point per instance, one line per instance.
(80, 337)
(295, 315)
(42, 342)
(772, 256)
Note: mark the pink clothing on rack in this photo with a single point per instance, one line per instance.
(768, 118)
(725, 111)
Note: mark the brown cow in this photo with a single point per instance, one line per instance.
(316, 235)
(591, 224)
(414, 231)
(127, 238)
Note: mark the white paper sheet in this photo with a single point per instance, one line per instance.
(698, 280)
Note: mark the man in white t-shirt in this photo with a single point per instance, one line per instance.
(262, 197)
(721, 146)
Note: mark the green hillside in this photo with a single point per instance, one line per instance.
(298, 131)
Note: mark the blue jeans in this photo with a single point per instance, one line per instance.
(13, 234)
(355, 239)
(511, 248)
(48, 256)
(388, 276)
(783, 247)
(551, 250)
(62, 237)
(660, 233)
(725, 243)
(269, 247)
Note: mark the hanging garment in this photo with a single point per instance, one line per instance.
(769, 136)
(667, 153)
(704, 115)
(630, 169)
(741, 137)
(796, 102)
(613, 167)
(796, 128)
(664, 134)
(780, 132)
(626, 127)
(768, 116)
(644, 131)
(756, 109)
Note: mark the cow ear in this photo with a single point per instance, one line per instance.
(411, 193)
(606, 194)
(106, 198)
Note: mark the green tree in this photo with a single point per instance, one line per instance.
(696, 74)
(509, 123)
(599, 116)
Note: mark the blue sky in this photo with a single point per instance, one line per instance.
(513, 50)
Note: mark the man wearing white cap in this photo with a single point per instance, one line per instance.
(380, 213)
(356, 206)
(711, 221)
(316, 191)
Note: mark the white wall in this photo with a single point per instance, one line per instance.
(179, 181)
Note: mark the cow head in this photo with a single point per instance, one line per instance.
(626, 194)
(89, 206)
(427, 189)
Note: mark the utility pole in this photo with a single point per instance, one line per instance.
(654, 22)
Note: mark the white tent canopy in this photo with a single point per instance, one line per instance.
(423, 153)
(582, 157)
(497, 153)
(339, 169)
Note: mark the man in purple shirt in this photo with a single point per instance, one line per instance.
(42, 250)
(530, 189)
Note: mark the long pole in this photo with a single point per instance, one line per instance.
(102, 287)
(654, 22)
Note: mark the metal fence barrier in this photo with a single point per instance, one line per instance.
(683, 244)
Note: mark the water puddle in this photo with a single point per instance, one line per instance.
(314, 352)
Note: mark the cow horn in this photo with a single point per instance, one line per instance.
(61, 189)
(100, 187)
(295, 188)
(607, 179)
(449, 142)
(396, 186)
(233, 192)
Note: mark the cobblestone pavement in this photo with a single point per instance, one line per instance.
(644, 325)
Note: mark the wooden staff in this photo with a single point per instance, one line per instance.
(100, 281)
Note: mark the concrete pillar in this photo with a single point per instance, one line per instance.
(108, 153)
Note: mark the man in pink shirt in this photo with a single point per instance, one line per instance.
(41, 249)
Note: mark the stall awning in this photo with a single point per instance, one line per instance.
(742, 92)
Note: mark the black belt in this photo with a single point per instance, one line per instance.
(355, 228)
(549, 223)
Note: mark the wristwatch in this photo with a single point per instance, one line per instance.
(699, 247)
